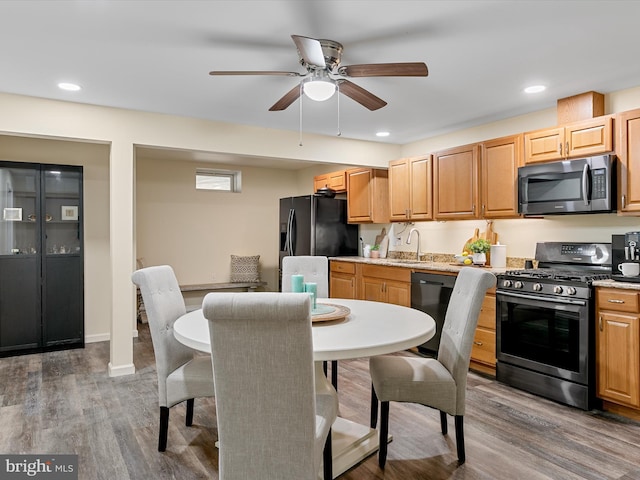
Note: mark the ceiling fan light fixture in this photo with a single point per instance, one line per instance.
(319, 90)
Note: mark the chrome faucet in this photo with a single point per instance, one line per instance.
(418, 246)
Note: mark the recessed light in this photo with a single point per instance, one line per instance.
(71, 87)
(535, 89)
(382, 134)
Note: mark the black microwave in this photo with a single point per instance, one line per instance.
(584, 185)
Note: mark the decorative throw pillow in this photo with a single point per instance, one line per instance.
(245, 269)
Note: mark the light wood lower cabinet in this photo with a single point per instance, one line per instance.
(342, 281)
(386, 284)
(618, 348)
(483, 351)
(381, 283)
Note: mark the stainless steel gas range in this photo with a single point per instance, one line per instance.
(545, 322)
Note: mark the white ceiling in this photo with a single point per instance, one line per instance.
(155, 56)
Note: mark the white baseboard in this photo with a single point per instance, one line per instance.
(104, 337)
(121, 370)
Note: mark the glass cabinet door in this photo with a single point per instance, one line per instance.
(20, 322)
(19, 226)
(62, 192)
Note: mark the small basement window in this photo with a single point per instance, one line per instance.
(220, 180)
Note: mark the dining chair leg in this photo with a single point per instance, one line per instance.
(384, 433)
(164, 428)
(334, 374)
(460, 438)
(327, 459)
(374, 408)
(443, 422)
(189, 420)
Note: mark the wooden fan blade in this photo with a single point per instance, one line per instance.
(310, 50)
(288, 98)
(257, 72)
(415, 69)
(360, 95)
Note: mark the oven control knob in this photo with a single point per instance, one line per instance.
(537, 287)
(506, 283)
(557, 289)
(518, 284)
(571, 291)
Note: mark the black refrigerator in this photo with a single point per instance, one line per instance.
(315, 225)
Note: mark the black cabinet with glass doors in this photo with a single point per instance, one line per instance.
(41, 258)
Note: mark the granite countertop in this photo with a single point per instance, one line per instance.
(413, 264)
(616, 284)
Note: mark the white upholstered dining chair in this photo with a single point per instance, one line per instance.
(181, 375)
(272, 422)
(314, 268)
(438, 383)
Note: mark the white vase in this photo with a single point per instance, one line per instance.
(479, 258)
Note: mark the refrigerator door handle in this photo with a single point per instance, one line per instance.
(292, 240)
(289, 240)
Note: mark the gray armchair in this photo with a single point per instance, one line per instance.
(181, 376)
(438, 383)
(272, 423)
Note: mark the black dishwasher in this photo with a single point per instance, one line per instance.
(430, 293)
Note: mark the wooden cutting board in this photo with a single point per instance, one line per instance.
(476, 236)
(381, 236)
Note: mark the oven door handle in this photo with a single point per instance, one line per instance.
(568, 301)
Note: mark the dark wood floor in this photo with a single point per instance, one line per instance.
(64, 402)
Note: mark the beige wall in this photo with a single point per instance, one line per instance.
(196, 231)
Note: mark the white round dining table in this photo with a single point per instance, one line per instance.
(371, 328)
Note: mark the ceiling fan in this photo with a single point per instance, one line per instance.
(324, 74)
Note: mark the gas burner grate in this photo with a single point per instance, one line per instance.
(548, 273)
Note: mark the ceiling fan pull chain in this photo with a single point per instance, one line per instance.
(300, 144)
(338, 88)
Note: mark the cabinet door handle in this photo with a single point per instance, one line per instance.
(473, 209)
(483, 210)
(566, 150)
(615, 300)
(478, 343)
(624, 201)
(560, 148)
(600, 322)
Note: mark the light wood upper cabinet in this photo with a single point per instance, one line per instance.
(499, 168)
(618, 346)
(628, 152)
(410, 189)
(544, 145)
(455, 183)
(335, 180)
(579, 139)
(367, 195)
